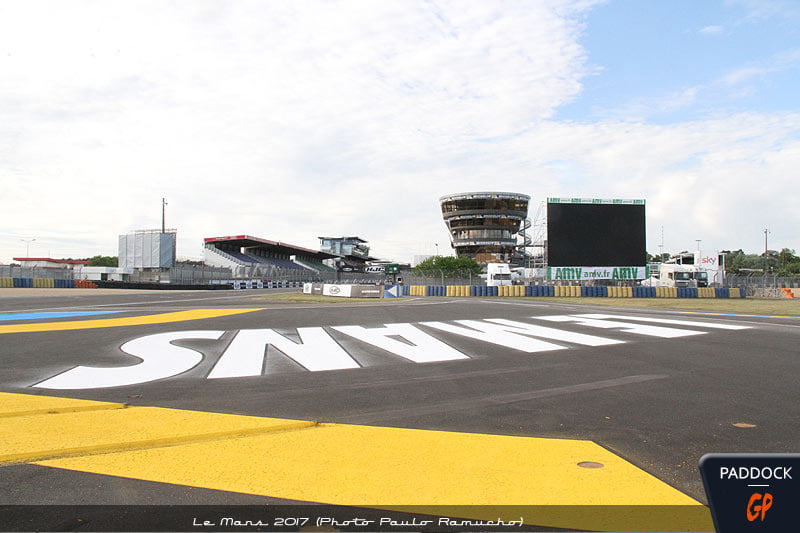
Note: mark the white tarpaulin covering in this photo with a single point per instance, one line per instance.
(147, 250)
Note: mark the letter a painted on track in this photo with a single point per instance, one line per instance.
(160, 359)
(245, 355)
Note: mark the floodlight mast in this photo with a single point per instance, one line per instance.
(163, 215)
(28, 246)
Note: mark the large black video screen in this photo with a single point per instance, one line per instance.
(594, 234)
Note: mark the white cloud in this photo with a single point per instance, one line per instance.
(738, 83)
(291, 120)
(711, 30)
(780, 62)
(267, 117)
(720, 180)
(759, 10)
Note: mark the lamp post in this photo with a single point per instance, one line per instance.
(27, 246)
(766, 255)
(437, 248)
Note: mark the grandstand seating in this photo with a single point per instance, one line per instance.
(314, 266)
(251, 256)
(273, 261)
(237, 256)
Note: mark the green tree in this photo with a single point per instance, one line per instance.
(103, 261)
(448, 266)
(738, 260)
(788, 263)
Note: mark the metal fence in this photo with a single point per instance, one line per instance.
(761, 286)
(442, 278)
(11, 271)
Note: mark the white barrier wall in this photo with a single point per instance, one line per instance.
(344, 291)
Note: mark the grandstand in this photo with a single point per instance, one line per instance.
(256, 256)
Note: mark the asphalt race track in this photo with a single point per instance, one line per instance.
(222, 398)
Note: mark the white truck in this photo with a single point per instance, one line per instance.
(675, 275)
(498, 274)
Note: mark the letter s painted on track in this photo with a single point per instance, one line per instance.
(160, 359)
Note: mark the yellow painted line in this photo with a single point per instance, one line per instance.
(364, 466)
(179, 316)
(36, 437)
(28, 405)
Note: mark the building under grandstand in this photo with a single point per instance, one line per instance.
(248, 256)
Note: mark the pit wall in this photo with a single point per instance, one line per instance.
(570, 291)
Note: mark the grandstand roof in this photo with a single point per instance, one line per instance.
(282, 247)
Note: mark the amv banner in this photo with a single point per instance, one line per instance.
(592, 273)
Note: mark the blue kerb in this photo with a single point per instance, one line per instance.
(46, 315)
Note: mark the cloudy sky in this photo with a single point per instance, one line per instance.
(292, 120)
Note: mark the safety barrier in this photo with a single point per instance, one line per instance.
(644, 292)
(620, 292)
(43, 283)
(570, 291)
(459, 291)
(666, 292)
(540, 290)
(594, 292)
